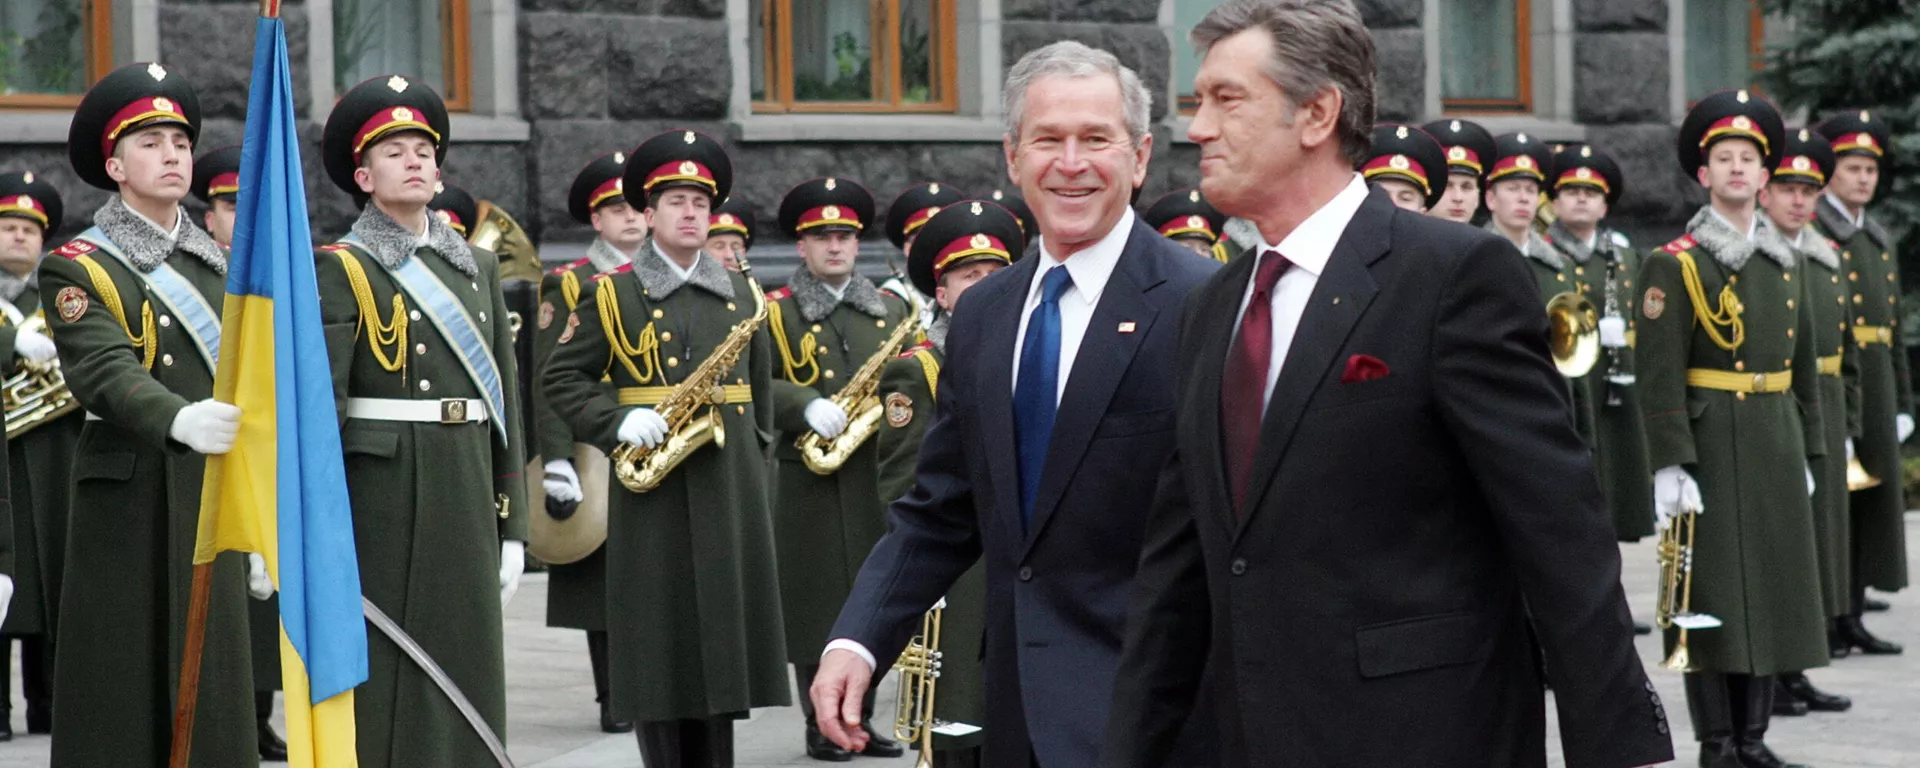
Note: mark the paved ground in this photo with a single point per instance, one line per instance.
(553, 721)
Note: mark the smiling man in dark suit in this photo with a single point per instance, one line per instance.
(1055, 413)
(1374, 477)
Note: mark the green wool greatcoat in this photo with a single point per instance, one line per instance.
(907, 389)
(1839, 409)
(1755, 566)
(40, 464)
(135, 514)
(1873, 276)
(693, 601)
(1619, 432)
(427, 512)
(826, 524)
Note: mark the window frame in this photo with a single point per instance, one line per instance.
(1523, 63)
(778, 48)
(456, 55)
(99, 35)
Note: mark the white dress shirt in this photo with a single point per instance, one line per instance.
(685, 274)
(1308, 246)
(1857, 221)
(1090, 269)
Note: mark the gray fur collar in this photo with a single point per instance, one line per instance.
(1815, 246)
(604, 257)
(937, 331)
(391, 243)
(1837, 225)
(1571, 246)
(1243, 233)
(817, 302)
(1537, 249)
(147, 248)
(660, 279)
(1733, 249)
(12, 285)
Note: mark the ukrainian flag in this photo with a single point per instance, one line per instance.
(281, 491)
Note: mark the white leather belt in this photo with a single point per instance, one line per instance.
(453, 410)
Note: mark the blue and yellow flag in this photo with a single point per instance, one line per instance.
(282, 490)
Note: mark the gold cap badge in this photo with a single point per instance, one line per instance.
(163, 104)
(688, 168)
(831, 184)
(980, 241)
(977, 210)
(402, 113)
(620, 157)
(1398, 162)
(830, 212)
(689, 137)
(1457, 153)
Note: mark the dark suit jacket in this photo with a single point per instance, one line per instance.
(1056, 597)
(1368, 610)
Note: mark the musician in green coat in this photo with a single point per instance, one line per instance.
(828, 324)
(423, 367)
(1729, 380)
(1860, 141)
(958, 247)
(693, 603)
(135, 303)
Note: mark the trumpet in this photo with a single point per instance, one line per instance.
(919, 668)
(37, 393)
(1676, 587)
(825, 456)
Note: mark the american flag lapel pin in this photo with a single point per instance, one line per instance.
(1126, 327)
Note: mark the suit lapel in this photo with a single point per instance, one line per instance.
(1340, 297)
(1099, 363)
(995, 387)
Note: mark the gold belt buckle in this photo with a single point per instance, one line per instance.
(1759, 382)
(453, 410)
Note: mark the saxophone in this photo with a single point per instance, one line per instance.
(861, 404)
(692, 409)
(38, 392)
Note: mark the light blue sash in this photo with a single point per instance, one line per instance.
(197, 317)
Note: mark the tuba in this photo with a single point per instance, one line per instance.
(497, 231)
(37, 393)
(1676, 588)
(863, 408)
(919, 668)
(691, 410)
(1573, 334)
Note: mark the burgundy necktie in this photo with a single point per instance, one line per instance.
(1243, 388)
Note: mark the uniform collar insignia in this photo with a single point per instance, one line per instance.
(147, 248)
(816, 302)
(391, 243)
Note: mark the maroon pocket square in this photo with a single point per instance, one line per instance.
(1364, 368)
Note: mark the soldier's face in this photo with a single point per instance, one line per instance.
(399, 169)
(1073, 159)
(1461, 200)
(1513, 203)
(1404, 195)
(20, 244)
(728, 248)
(1789, 204)
(155, 163)
(956, 281)
(1854, 180)
(1734, 171)
(680, 218)
(1581, 208)
(220, 220)
(1251, 135)
(829, 255)
(621, 225)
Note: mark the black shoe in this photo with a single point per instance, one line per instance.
(1798, 686)
(1855, 634)
(1874, 605)
(1754, 713)
(39, 719)
(610, 725)
(1837, 647)
(1642, 628)
(1709, 707)
(6, 724)
(1785, 704)
(879, 744)
(819, 748)
(272, 749)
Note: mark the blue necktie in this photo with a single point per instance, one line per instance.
(1035, 396)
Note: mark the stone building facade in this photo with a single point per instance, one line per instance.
(553, 83)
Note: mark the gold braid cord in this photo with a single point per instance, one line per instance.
(379, 335)
(646, 346)
(793, 365)
(1728, 314)
(570, 289)
(932, 368)
(147, 340)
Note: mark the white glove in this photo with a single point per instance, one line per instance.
(208, 426)
(1810, 483)
(1613, 332)
(6, 596)
(1903, 424)
(513, 561)
(1673, 491)
(642, 427)
(826, 418)
(1849, 449)
(34, 346)
(259, 584)
(561, 483)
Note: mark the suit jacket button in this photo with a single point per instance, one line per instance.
(1239, 567)
(1026, 574)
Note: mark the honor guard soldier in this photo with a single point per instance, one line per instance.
(1470, 150)
(38, 459)
(454, 207)
(1586, 184)
(1729, 380)
(1860, 142)
(423, 362)
(137, 299)
(216, 182)
(830, 327)
(959, 247)
(730, 233)
(1406, 162)
(1185, 217)
(693, 611)
(1789, 202)
(576, 584)
(908, 213)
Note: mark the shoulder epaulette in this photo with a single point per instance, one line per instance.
(1545, 238)
(1833, 243)
(915, 349)
(614, 271)
(74, 249)
(332, 247)
(1681, 243)
(569, 266)
(779, 293)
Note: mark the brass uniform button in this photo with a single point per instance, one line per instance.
(1739, 365)
(828, 374)
(740, 409)
(673, 362)
(166, 359)
(1853, 276)
(1733, 279)
(414, 315)
(420, 349)
(425, 385)
(731, 307)
(1788, 276)
(483, 317)
(816, 328)
(1739, 395)
(1857, 299)
(879, 323)
(657, 314)
(1789, 303)
(666, 335)
(1789, 333)
(165, 321)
